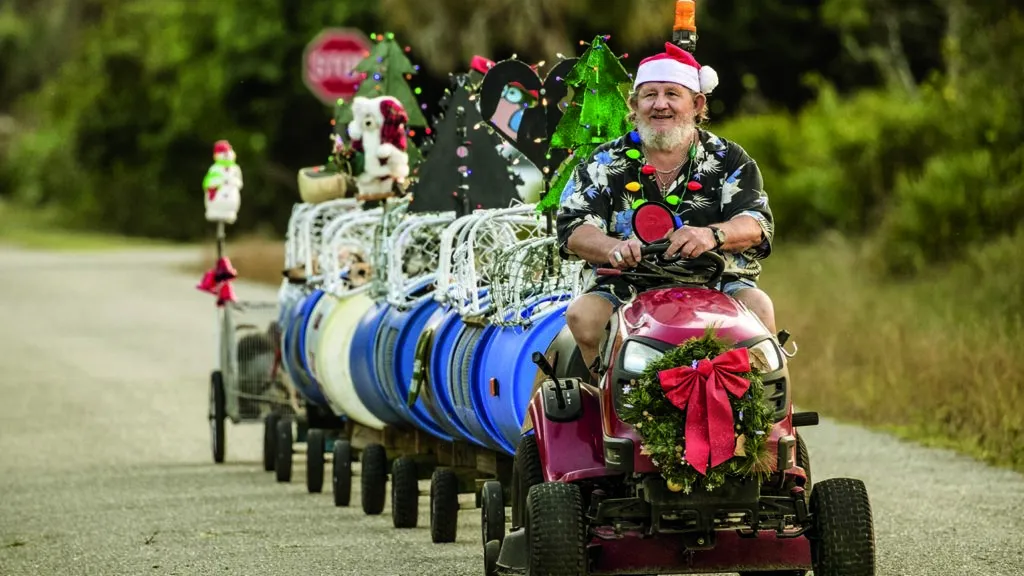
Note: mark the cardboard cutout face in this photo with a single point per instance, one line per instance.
(525, 109)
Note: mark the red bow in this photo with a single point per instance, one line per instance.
(217, 281)
(701, 392)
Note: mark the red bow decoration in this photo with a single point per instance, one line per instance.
(702, 393)
(217, 281)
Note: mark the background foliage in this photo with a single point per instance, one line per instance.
(891, 135)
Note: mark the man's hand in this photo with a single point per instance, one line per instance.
(625, 254)
(690, 242)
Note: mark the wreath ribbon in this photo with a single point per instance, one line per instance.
(702, 391)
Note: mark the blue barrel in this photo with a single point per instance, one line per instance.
(288, 297)
(437, 396)
(293, 351)
(396, 354)
(504, 372)
(363, 365)
(461, 382)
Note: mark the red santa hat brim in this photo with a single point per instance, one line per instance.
(677, 66)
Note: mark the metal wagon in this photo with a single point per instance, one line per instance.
(247, 385)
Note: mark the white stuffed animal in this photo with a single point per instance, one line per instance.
(377, 130)
(223, 185)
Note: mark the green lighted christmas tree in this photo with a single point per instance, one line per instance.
(597, 113)
(387, 72)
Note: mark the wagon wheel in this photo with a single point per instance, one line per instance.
(270, 441)
(374, 478)
(492, 512)
(341, 473)
(405, 493)
(315, 443)
(218, 414)
(444, 505)
(283, 457)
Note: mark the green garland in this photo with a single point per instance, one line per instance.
(661, 425)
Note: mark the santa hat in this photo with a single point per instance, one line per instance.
(392, 130)
(480, 64)
(221, 146)
(679, 67)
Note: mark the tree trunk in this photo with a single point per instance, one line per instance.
(956, 11)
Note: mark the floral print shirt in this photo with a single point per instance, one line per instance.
(718, 183)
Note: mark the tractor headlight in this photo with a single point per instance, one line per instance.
(768, 353)
(636, 356)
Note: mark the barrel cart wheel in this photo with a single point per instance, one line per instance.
(218, 414)
(527, 472)
(270, 441)
(405, 493)
(491, 552)
(341, 472)
(284, 449)
(374, 478)
(492, 512)
(444, 505)
(316, 443)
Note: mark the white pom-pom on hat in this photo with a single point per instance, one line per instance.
(708, 79)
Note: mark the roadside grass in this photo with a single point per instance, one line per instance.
(257, 258)
(43, 230)
(936, 360)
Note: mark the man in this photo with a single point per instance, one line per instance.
(711, 183)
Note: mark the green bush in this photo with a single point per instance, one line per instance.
(962, 199)
(833, 166)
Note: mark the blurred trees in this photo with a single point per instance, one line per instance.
(933, 166)
(897, 117)
(120, 134)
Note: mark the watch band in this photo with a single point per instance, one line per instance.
(719, 236)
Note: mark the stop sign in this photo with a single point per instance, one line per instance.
(329, 60)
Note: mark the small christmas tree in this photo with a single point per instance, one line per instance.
(387, 72)
(597, 113)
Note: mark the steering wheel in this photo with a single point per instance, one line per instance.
(708, 259)
(701, 263)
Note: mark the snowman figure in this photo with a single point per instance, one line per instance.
(223, 185)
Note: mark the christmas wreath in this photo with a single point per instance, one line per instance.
(701, 414)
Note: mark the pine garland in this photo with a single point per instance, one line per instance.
(661, 425)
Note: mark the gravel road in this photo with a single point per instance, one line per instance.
(105, 465)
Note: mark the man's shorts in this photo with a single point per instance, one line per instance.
(612, 291)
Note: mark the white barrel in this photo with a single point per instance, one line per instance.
(332, 356)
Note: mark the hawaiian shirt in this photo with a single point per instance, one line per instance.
(718, 183)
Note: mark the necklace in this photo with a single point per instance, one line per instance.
(673, 199)
(663, 186)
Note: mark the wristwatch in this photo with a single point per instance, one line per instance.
(719, 236)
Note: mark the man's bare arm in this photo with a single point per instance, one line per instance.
(741, 233)
(591, 244)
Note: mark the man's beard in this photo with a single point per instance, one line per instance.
(663, 140)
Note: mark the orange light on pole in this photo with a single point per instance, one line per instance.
(684, 31)
(686, 16)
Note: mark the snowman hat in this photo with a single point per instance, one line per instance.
(679, 67)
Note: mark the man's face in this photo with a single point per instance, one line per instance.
(665, 113)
